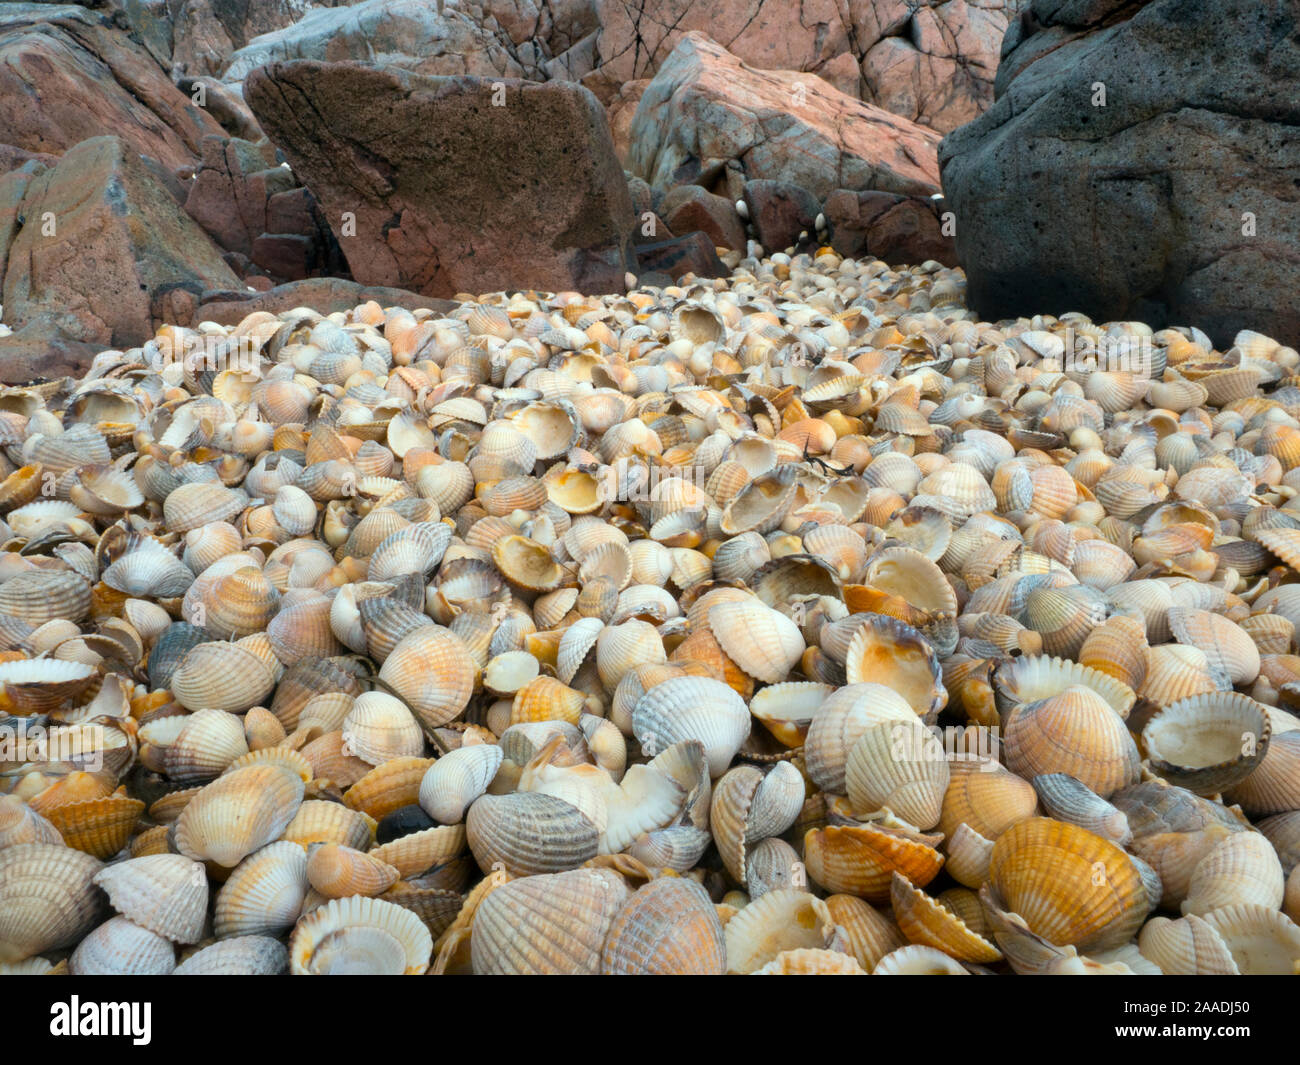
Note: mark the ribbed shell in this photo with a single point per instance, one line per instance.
(378, 728)
(551, 924)
(238, 813)
(529, 833)
(47, 898)
(779, 921)
(355, 936)
(1209, 742)
(1244, 868)
(221, 676)
(433, 670)
(241, 956)
(1074, 732)
(927, 922)
(861, 859)
(264, 893)
(763, 642)
(841, 719)
(692, 708)
(1071, 887)
(165, 893)
(456, 779)
(888, 652)
(987, 797)
(120, 948)
(337, 871)
(899, 766)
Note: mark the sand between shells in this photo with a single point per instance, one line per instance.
(793, 623)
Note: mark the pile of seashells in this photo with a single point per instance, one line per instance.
(797, 622)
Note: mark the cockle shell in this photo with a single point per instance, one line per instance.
(1074, 732)
(1208, 742)
(360, 936)
(264, 893)
(900, 766)
(48, 898)
(554, 924)
(456, 780)
(240, 956)
(433, 671)
(119, 947)
(529, 833)
(238, 813)
(692, 708)
(165, 893)
(927, 922)
(1071, 887)
(777, 922)
(861, 859)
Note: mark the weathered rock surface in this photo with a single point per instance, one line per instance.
(666, 261)
(204, 33)
(449, 193)
(780, 213)
(932, 61)
(98, 248)
(1174, 202)
(67, 74)
(706, 114)
(687, 208)
(405, 34)
(898, 229)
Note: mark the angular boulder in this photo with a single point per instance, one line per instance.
(99, 247)
(228, 196)
(706, 114)
(687, 208)
(781, 214)
(666, 261)
(901, 230)
(430, 187)
(1139, 163)
(67, 74)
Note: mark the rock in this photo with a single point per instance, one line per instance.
(253, 207)
(12, 158)
(448, 192)
(285, 255)
(407, 34)
(692, 253)
(41, 351)
(643, 197)
(223, 104)
(229, 195)
(705, 111)
(933, 62)
(101, 244)
(687, 208)
(204, 33)
(324, 295)
(1175, 202)
(901, 230)
(782, 214)
(67, 74)
(621, 110)
(637, 39)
